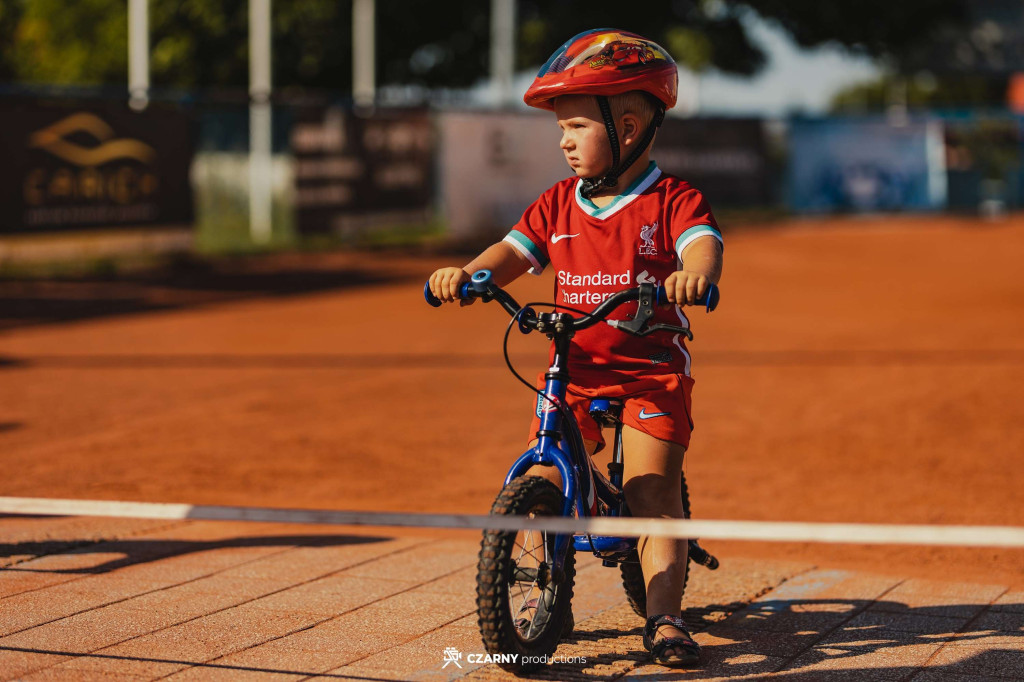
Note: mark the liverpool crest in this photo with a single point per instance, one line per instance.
(647, 247)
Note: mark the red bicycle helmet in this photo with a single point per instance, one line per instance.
(605, 61)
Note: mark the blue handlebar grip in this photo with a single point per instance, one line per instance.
(709, 299)
(481, 279)
(429, 296)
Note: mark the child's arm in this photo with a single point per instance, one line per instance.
(502, 259)
(702, 266)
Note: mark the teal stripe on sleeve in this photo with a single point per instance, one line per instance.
(526, 246)
(693, 233)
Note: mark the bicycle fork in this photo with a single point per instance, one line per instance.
(578, 490)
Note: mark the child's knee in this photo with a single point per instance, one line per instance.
(548, 472)
(654, 495)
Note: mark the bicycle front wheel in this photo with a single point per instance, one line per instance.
(523, 603)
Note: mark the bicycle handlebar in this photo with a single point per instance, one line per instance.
(482, 286)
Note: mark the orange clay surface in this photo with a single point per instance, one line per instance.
(862, 370)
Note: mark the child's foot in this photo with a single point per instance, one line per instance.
(670, 643)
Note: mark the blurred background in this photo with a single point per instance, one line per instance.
(204, 162)
(142, 127)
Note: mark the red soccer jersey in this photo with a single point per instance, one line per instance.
(639, 237)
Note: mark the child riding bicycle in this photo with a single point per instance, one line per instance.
(619, 222)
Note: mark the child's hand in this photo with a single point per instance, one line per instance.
(684, 287)
(445, 284)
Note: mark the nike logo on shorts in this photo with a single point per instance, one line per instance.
(556, 238)
(652, 415)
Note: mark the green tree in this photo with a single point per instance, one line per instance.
(923, 90)
(54, 41)
(204, 44)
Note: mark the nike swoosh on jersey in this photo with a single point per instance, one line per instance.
(644, 415)
(556, 238)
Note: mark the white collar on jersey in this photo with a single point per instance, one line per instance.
(646, 179)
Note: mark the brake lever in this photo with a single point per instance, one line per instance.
(661, 327)
(643, 313)
(638, 325)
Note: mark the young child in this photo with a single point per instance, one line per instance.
(618, 223)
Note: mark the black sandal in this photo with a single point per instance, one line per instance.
(666, 650)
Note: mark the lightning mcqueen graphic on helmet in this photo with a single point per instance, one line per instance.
(605, 62)
(622, 54)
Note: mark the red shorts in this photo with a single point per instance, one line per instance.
(657, 405)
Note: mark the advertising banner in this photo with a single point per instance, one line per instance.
(726, 159)
(348, 165)
(494, 165)
(866, 165)
(92, 164)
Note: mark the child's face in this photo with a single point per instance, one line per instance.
(584, 137)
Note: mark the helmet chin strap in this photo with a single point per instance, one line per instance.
(588, 186)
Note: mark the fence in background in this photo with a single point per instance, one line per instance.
(79, 162)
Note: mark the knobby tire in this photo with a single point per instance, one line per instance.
(500, 597)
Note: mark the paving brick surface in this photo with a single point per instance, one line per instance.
(211, 601)
(17, 663)
(1011, 601)
(99, 666)
(995, 661)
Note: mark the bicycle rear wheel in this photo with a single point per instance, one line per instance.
(524, 605)
(632, 574)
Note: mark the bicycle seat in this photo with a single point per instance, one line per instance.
(605, 411)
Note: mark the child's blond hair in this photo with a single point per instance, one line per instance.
(636, 102)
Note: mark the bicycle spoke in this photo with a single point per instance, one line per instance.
(522, 606)
(528, 592)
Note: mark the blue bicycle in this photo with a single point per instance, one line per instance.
(525, 579)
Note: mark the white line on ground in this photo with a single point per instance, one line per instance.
(762, 531)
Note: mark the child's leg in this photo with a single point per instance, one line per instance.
(652, 475)
(550, 472)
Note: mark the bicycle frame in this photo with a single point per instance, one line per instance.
(582, 486)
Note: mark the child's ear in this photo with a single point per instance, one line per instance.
(630, 130)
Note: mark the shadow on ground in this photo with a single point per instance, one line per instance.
(186, 283)
(811, 640)
(875, 642)
(139, 551)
